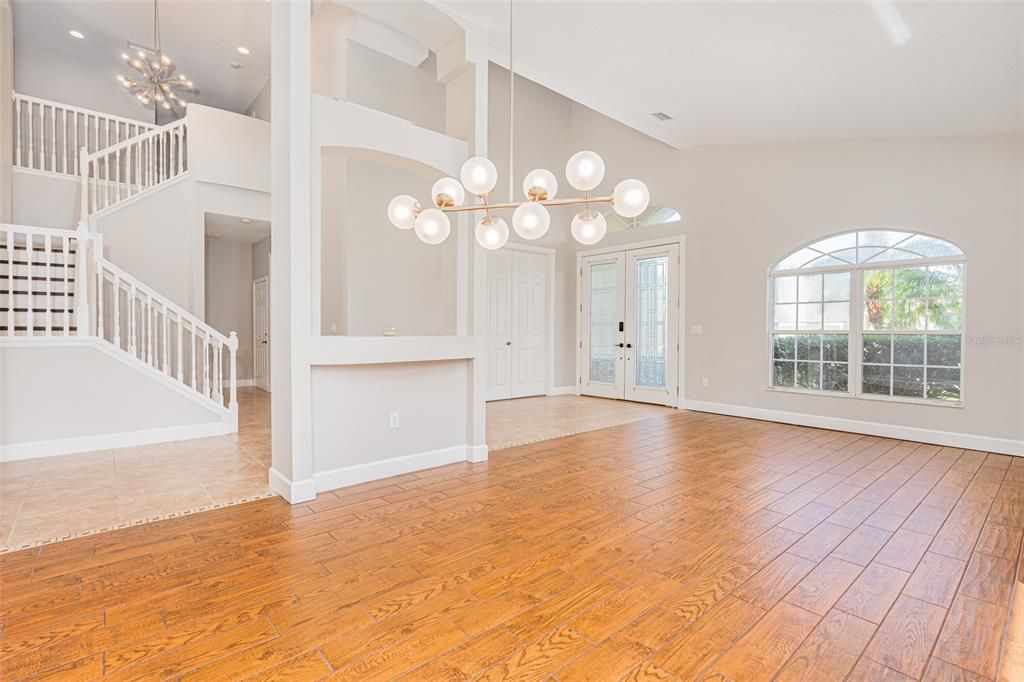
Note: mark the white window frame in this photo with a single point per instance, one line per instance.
(856, 331)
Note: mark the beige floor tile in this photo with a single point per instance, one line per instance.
(524, 420)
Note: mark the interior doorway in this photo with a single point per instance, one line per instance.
(519, 328)
(261, 333)
(629, 324)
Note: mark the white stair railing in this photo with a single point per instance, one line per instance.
(43, 290)
(152, 329)
(55, 283)
(48, 135)
(126, 169)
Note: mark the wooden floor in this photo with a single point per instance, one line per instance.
(693, 546)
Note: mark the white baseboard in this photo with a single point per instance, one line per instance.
(241, 383)
(293, 491)
(108, 441)
(563, 390)
(371, 471)
(969, 441)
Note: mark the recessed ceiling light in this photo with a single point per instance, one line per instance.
(76, 34)
(246, 220)
(235, 65)
(243, 50)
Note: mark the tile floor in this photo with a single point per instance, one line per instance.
(525, 420)
(55, 498)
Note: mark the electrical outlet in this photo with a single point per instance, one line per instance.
(696, 329)
(704, 382)
(393, 420)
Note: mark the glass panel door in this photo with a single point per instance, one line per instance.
(652, 325)
(651, 321)
(603, 326)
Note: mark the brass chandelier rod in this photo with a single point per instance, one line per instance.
(580, 201)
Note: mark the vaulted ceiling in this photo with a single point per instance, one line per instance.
(740, 72)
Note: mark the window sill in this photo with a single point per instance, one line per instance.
(865, 396)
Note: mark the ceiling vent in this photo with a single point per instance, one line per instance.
(661, 116)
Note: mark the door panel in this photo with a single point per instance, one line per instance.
(603, 330)
(652, 324)
(499, 324)
(261, 333)
(529, 331)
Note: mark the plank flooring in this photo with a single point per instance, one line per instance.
(686, 546)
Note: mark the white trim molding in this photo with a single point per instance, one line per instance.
(563, 390)
(293, 491)
(110, 441)
(343, 477)
(1006, 446)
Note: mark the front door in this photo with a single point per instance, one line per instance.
(630, 325)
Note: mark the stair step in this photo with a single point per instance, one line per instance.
(42, 264)
(37, 328)
(36, 278)
(40, 249)
(25, 292)
(4, 309)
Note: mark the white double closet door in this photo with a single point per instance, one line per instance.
(517, 324)
(629, 341)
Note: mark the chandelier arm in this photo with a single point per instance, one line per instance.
(516, 204)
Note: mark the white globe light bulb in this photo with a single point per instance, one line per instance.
(402, 211)
(585, 171)
(540, 185)
(492, 232)
(531, 220)
(589, 227)
(432, 226)
(630, 198)
(479, 175)
(448, 192)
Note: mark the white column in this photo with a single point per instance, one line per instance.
(291, 321)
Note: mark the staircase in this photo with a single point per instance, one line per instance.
(57, 289)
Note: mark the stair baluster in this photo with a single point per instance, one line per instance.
(47, 272)
(10, 282)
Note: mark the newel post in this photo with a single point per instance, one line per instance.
(233, 376)
(83, 172)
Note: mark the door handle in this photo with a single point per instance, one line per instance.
(508, 343)
(263, 342)
(629, 345)
(621, 345)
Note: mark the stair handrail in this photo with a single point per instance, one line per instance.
(229, 341)
(149, 160)
(68, 123)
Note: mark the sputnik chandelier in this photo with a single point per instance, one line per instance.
(156, 83)
(530, 219)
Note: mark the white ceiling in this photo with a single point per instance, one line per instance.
(231, 228)
(201, 36)
(734, 72)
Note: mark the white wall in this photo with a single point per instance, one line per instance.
(226, 148)
(379, 82)
(261, 258)
(159, 240)
(745, 206)
(260, 107)
(376, 275)
(229, 295)
(352, 405)
(45, 200)
(75, 391)
(6, 118)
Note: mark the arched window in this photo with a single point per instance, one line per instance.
(873, 313)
